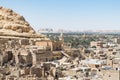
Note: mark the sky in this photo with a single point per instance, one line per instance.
(68, 14)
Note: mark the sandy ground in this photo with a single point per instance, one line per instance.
(110, 75)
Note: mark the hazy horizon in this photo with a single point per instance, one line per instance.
(68, 14)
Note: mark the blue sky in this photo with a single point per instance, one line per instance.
(68, 14)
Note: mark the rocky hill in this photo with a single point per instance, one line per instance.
(13, 24)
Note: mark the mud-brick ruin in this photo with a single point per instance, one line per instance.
(17, 39)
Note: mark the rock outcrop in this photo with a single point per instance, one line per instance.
(13, 24)
(12, 21)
